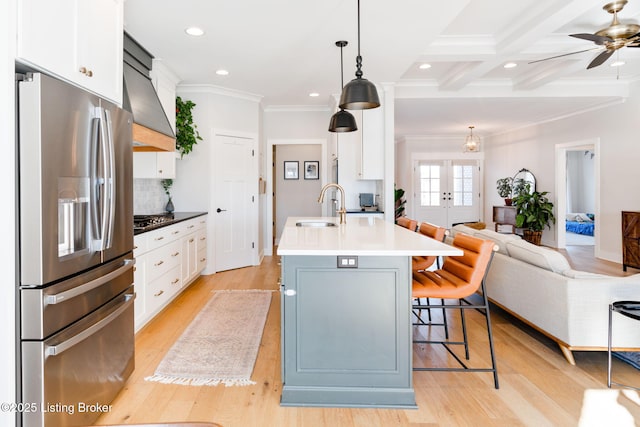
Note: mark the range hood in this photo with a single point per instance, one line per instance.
(151, 128)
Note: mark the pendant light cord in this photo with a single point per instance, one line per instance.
(359, 58)
(341, 69)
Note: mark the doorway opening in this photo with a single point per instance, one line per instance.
(577, 186)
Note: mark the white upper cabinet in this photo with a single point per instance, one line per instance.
(77, 40)
(154, 164)
(371, 158)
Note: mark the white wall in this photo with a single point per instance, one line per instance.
(617, 128)
(215, 109)
(8, 216)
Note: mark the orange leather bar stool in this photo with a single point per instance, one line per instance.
(421, 263)
(410, 224)
(459, 277)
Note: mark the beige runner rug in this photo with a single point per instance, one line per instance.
(221, 344)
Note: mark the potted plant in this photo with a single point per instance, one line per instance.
(534, 211)
(186, 131)
(505, 189)
(166, 184)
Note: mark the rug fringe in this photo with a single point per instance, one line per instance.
(199, 381)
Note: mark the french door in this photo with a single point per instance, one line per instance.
(446, 192)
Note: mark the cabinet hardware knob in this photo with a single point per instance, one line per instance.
(203, 260)
(175, 254)
(159, 238)
(159, 263)
(175, 281)
(191, 226)
(160, 171)
(191, 240)
(175, 232)
(203, 238)
(158, 294)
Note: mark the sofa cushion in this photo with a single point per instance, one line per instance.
(538, 255)
(500, 239)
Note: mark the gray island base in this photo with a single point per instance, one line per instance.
(346, 313)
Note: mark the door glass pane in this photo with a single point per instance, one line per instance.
(462, 185)
(429, 185)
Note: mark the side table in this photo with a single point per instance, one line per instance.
(630, 309)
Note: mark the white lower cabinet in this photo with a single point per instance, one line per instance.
(167, 260)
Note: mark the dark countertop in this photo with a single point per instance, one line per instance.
(170, 219)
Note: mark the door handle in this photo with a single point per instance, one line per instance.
(220, 210)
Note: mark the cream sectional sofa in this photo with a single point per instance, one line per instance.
(537, 285)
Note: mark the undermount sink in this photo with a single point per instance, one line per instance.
(315, 224)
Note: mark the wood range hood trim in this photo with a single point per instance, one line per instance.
(145, 139)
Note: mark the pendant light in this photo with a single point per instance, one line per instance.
(471, 142)
(359, 93)
(342, 121)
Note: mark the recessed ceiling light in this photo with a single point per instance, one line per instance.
(222, 72)
(510, 65)
(424, 66)
(194, 31)
(617, 63)
(314, 94)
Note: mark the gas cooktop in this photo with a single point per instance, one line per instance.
(141, 222)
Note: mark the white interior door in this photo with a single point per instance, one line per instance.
(446, 191)
(235, 210)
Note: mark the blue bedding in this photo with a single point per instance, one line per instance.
(580, 227)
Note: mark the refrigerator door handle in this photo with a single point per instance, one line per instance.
(58, 349)
(79, 290)
(110, 178)
(96, 182)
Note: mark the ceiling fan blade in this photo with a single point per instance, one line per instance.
(592, 37)
(564, 54)
(600, 59)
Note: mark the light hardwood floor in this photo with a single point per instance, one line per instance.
(537, 386)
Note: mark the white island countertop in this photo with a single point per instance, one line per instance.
(359, 236)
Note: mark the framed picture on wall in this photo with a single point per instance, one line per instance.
(311, 170)
(290, 170)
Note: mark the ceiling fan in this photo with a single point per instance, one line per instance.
(610, 39)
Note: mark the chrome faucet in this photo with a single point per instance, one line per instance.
(342, 211)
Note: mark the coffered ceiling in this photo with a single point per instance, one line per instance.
(282, 50)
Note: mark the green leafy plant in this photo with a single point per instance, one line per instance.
(504, 187)
(520, 185)
(399, 202)
(166, 185)
(534, 211)
(186, 131)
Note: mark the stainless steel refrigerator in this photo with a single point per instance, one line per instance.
(76, 260)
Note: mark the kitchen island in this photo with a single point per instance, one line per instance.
(346, 311)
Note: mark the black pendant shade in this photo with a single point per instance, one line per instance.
(342, 121)
(359, 93)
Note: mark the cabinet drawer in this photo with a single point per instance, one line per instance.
(202, 259)
(163, 259)
(160, 290)
(201, 240)
(140, 244)
(160, 237)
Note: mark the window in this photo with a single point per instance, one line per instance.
(430, 183)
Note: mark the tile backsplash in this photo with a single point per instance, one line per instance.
(148, 196)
